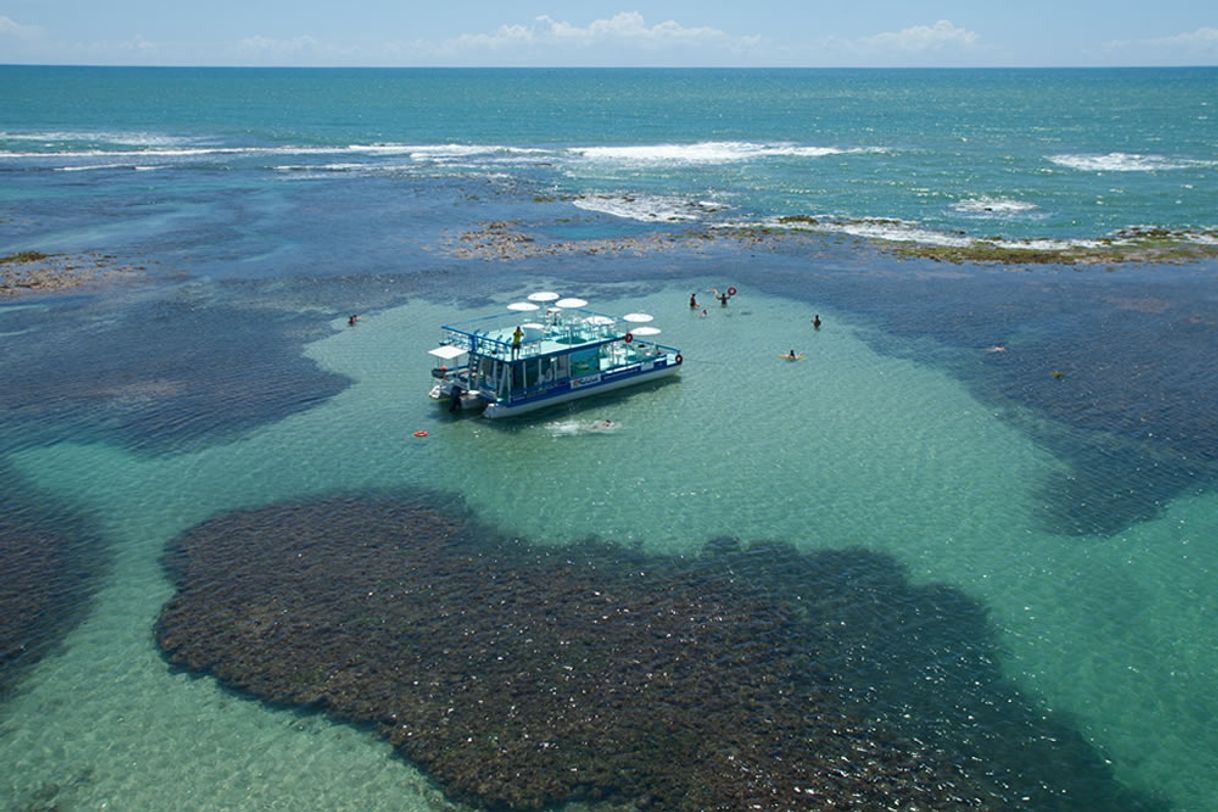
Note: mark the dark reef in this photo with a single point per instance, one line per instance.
(522, 676)
(50, 560)
(160, 375)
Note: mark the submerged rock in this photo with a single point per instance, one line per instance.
(49, 562)
(523, 676)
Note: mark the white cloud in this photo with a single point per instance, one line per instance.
(943, 35)
(943, 43)
(139, 45)
(12, 28)
(629, 26)
(276, 48)
(605, 39)
(1191, 47)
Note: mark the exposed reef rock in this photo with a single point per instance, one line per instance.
(34, 271)
(500, 240)
(522, 676)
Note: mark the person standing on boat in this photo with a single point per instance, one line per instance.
(517, 337)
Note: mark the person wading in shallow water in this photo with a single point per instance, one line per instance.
(816, 322)
(693, 299)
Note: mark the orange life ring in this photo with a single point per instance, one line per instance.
(679, 359)
(420, 433)
(731, 291)
(629, 337)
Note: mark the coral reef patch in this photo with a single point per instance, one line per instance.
(521, 676)
(505, 241)
(165, 374)
(49, 561)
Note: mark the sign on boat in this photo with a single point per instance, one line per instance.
(505, 366)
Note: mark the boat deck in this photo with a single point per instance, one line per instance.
(542, 338)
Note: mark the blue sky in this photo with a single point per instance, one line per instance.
(617, 33)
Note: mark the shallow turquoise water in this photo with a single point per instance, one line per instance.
(845, 448)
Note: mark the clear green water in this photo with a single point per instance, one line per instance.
(845, 448)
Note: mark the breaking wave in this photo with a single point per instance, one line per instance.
(993, 206)
(714, 152)
(649, 208)
(1126, 162)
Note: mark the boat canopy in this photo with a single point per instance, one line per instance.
(447, 352)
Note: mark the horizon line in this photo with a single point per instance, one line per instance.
(602, 67)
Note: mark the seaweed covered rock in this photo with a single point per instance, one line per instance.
(523, 676)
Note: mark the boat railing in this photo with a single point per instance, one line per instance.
(488, 336)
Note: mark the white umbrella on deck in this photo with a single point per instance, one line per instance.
(543, 296)
(637, 318)
(646, 331)
(523, 306)
(572, 302)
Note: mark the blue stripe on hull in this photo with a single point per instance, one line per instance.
(615, 379)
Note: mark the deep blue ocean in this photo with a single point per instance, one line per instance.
(974, 527)
(1021, 154)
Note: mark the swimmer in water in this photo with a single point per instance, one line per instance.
(791, 356)
(816, 322)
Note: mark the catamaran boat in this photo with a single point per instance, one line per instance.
(545, 351)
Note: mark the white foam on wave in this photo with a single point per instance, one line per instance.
(91, 167)
(648, 208)
(445, 153)
(898, 231)
(873, 229)
(1126, 162)
(332, 167)
(712, 152)
(904, 231)
(170, 152)
(993, 206)
(473, 155)
(120, 138)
